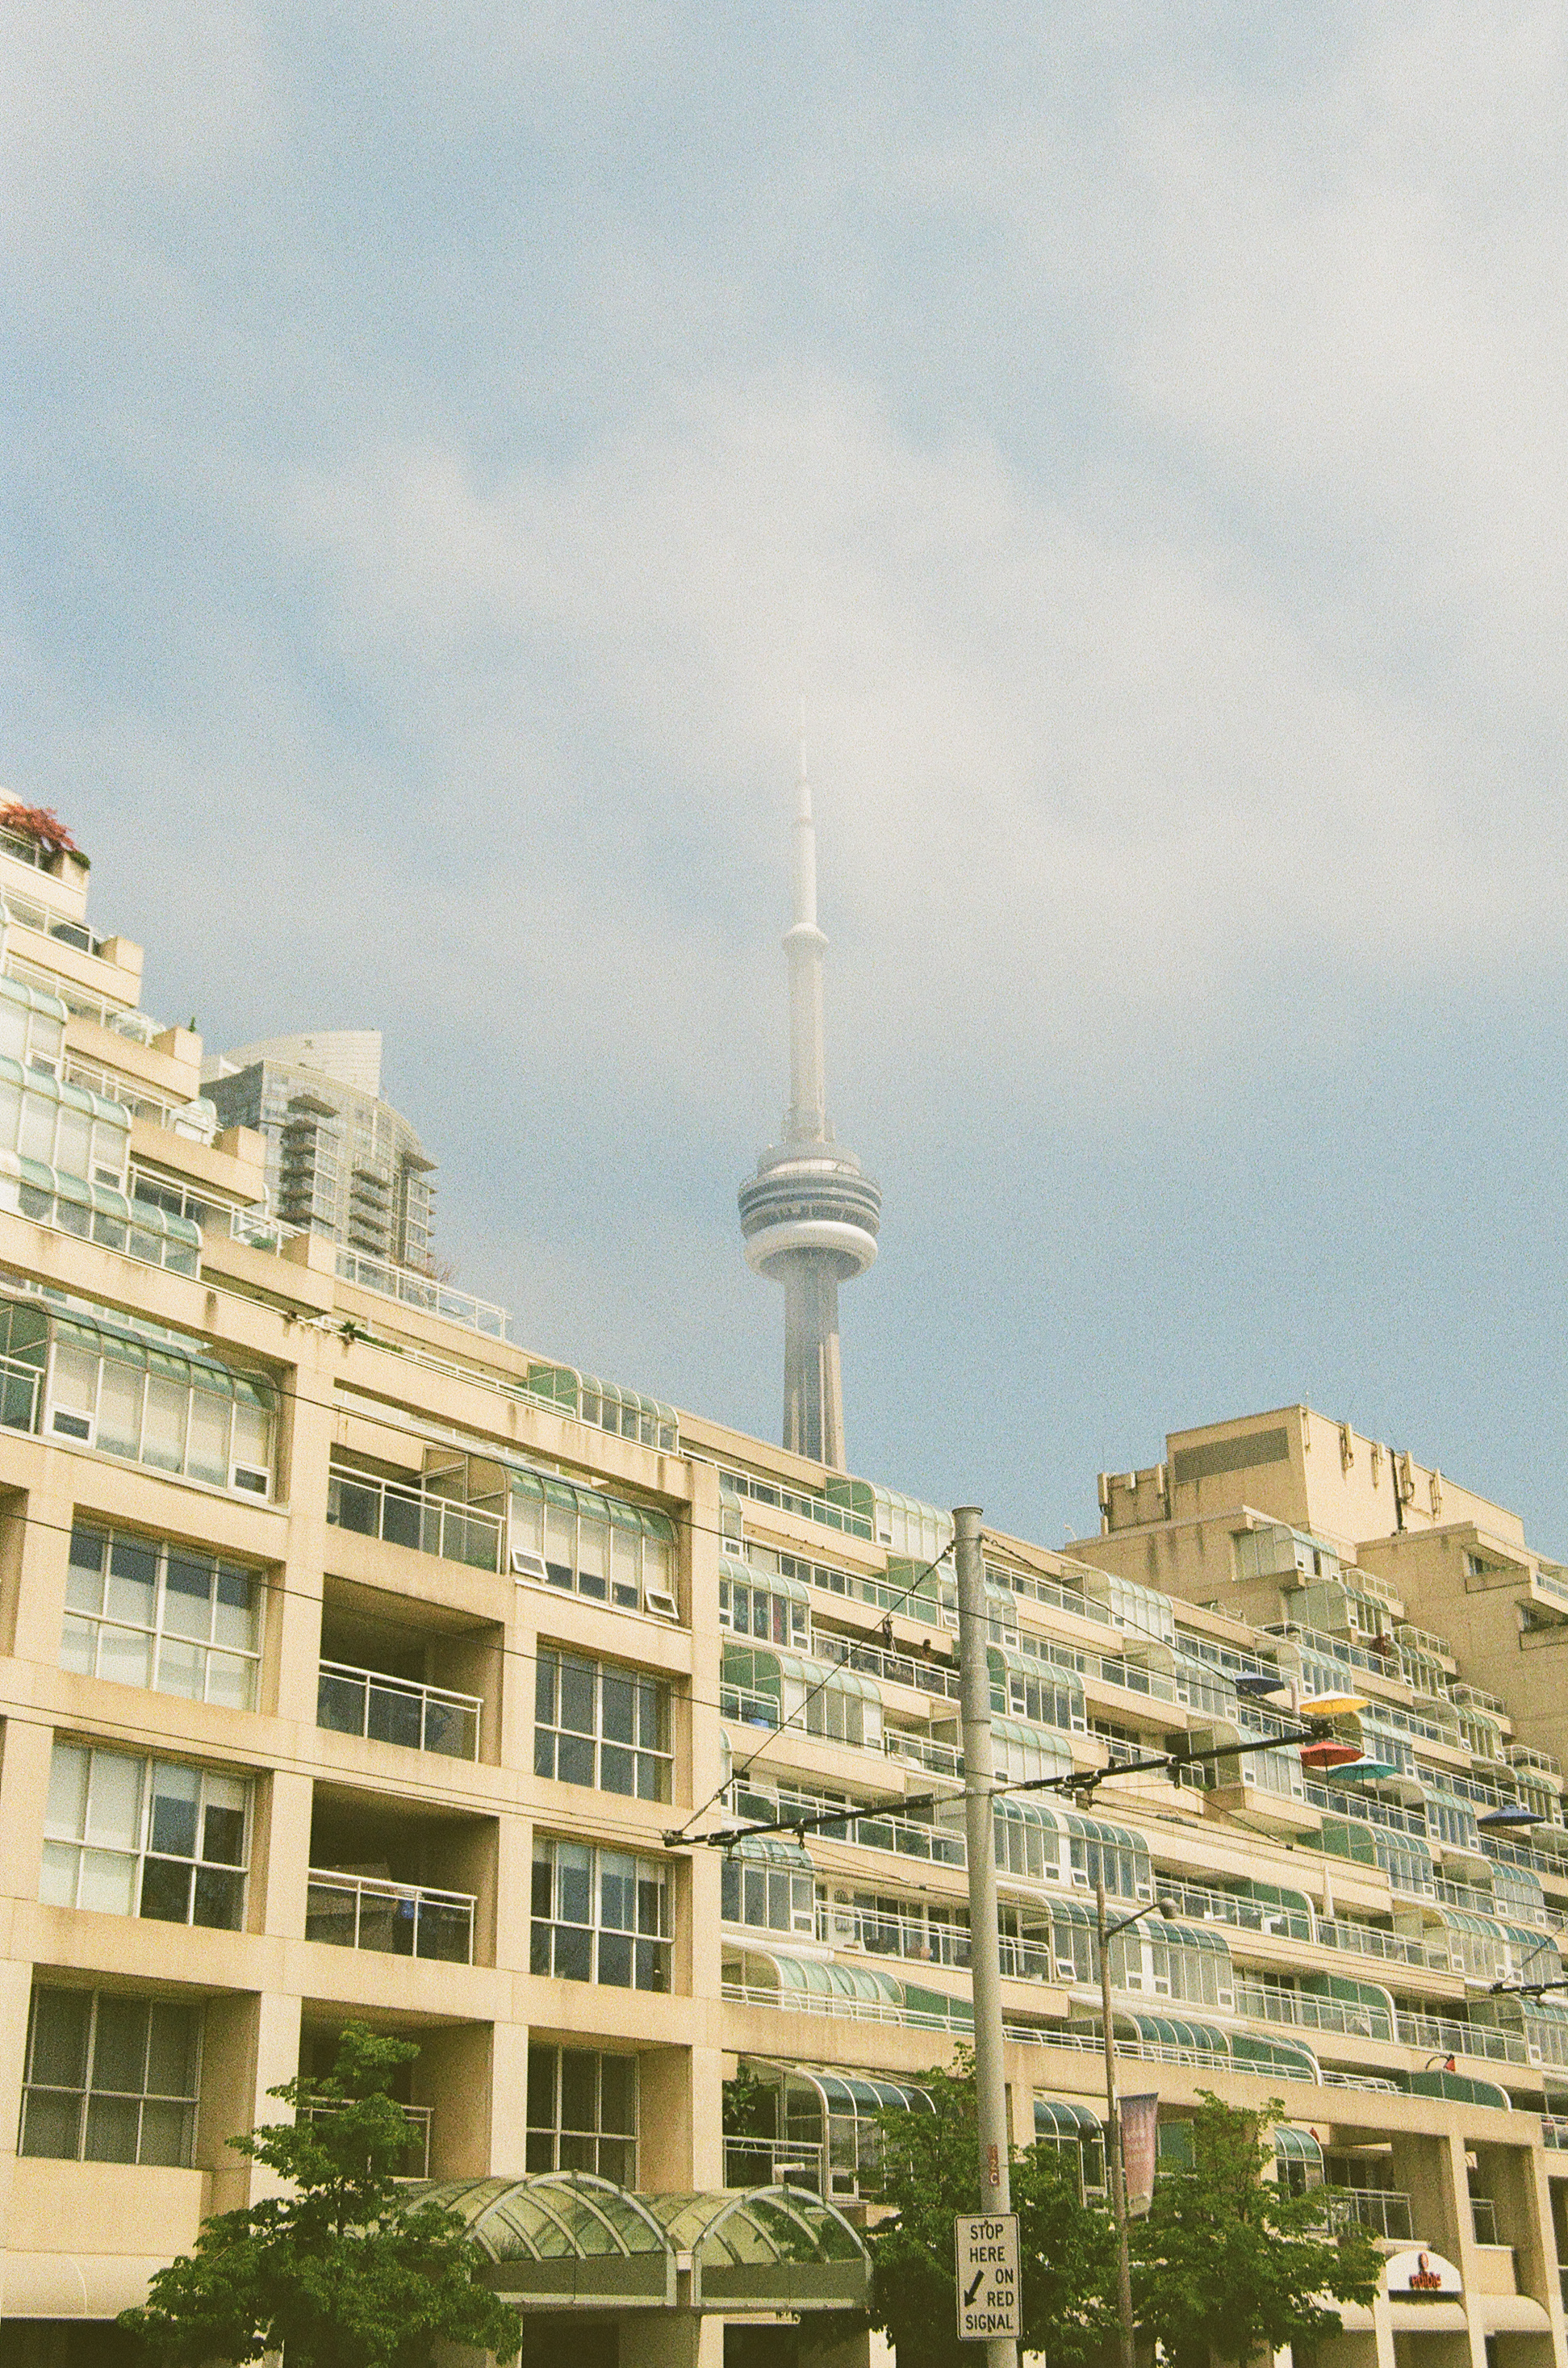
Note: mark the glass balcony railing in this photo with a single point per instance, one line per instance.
(406, 1284)
(937, 1677)
(1382, 2210)
(1437, 2033)
(394, 1709)
(395, 1919)
(415, 2161)
(404, 1516)
(772, 2162)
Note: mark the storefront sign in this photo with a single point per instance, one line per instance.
(1423, 2273)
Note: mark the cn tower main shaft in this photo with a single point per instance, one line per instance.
(808, 1216)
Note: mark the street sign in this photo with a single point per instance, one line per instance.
(986, 2244)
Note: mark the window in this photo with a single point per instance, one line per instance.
(56, 1124)
(600, 1916)
(32, 1025)
(595, 1723)
(151, 1399)
(134, 1837)
(582, 2113)
(110, 2078)
(146, 1613)
(575, 1537)
(767, 1882)
(750, 1609)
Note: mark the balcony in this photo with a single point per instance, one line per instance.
(395, 1919)
(415, 2163)
(1382, 2210)
(404, 1515)
(394, 1709)
(1304, 2010)
(937, 1677)
(1209, 1906)
(772, 2162)
(1437, 2034)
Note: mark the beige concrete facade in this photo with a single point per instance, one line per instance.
(336, 1635)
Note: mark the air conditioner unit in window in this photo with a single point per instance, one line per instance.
(654, 1599)
(526, 1565)
(247, 1476)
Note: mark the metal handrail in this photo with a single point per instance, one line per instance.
(773, 2162)
(1383, 2211)
(418, 2117)
(1479, 2039)
(396, 1710)
(922, 1751)
(938, 1677)
(1207, 1906)
(405, 1516)
(1303, 2010)
(413, 1289)
(397, 1920)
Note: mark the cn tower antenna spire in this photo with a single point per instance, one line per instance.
(808, 1216)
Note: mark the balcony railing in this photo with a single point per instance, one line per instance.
(394, 1709)
(1304, 2010)
(1484, 2215)
(1207, 1907)
(1483, 2039)
(396, 1920)
(772, 2162)
(415, 2163)
(909, 1937)
(924, 1752)
(1392, 1948)
(1382, 2210)
(938, 1677)
(403, 1516)
(414, 1290)
(1554, 2130)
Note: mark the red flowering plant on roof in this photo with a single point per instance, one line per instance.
(37, 822)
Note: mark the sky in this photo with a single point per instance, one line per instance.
(443, 446)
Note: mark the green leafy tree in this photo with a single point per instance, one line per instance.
(1228, 2264)
(929, 2171)
(346, 2271)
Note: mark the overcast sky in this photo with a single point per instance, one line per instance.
(443, 441)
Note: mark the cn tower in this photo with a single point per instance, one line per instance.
(808, 1216)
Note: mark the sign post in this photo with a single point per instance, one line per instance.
(990, 2300)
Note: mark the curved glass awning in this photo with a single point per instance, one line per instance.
(565, 2236)
(1064, 2117)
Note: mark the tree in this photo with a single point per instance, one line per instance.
(1228, 2263)
(929, 2172)
(347, 2271)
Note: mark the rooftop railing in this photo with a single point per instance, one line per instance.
(395, 1919)
(412, 1288)
(394, 1709)
(404, 1516)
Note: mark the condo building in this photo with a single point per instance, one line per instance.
(360, 1661)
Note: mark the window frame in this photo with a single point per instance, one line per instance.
(546, 2143)
(559, 1943)
(163, 1550)
(189, 2103)
(225, 1876)
(551, 1734)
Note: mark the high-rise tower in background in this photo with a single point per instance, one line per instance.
(809, 1215)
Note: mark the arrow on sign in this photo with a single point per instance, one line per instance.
(979, 2281)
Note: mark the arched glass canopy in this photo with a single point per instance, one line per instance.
(564, 2235)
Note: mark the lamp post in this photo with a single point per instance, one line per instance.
(1114, 2164)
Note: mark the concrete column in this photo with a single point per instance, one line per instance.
(35, 1553)
(509, 2101)
(16, 1989)
(280, 1854)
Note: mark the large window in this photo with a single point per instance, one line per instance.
(110, 2078)
(32, 1025)
(767, 1881)
(595, 1723)
(58, 1125)
(135, 1836)
(154, 1397)
(600, 1916)
(612, 1552)
(582, 2113)
(146, 1613)
(778, 1613)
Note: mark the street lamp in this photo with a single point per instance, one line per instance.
(1114, 2163)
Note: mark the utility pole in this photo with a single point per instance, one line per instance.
(1113, 2140)
(984, 1945)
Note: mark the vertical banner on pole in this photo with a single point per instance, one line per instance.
(1140, 2146)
